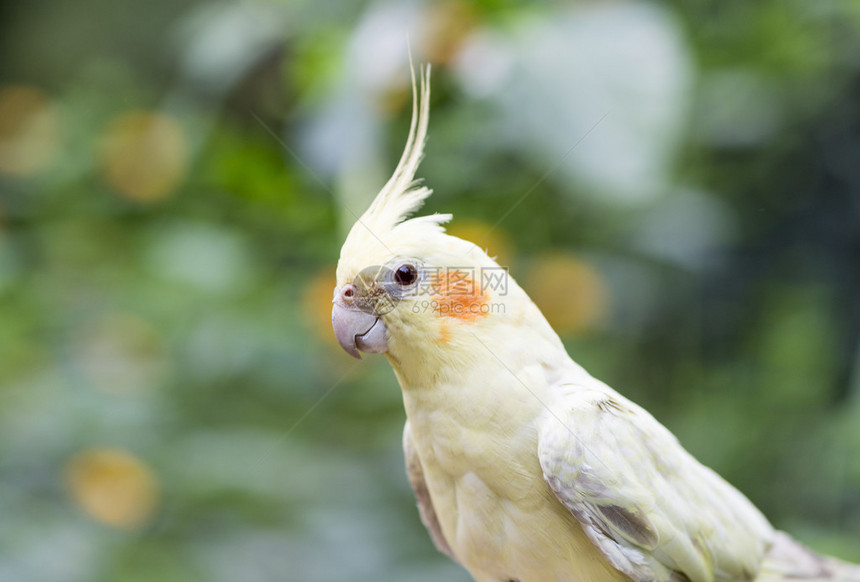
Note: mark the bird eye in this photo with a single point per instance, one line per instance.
(405, 275)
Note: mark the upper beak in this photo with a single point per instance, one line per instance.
(358, 330)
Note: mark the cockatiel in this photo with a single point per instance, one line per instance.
(525, 467)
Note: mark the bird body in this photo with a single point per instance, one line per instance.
(525, 467)
(477, 454)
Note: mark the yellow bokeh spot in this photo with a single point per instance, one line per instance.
(569, 291)
(144, 155)
(393, 98)
(29, 130)
(489, 239)
(446, 25)
(113, 487)
(316, 304)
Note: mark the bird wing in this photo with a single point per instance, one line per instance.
(654, 512)
(415, 473)
(787, 560)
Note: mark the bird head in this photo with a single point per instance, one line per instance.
(405, 287)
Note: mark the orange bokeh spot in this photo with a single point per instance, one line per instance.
(491, 240)
(113, 487)
(316, 303)
(569, 291)
(144, 155)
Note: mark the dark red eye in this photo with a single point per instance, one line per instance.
(405, 274)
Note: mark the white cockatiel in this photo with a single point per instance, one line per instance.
(525, 467)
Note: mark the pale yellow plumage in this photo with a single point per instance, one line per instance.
(525, 467)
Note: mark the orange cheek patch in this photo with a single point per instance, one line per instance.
(455, 294)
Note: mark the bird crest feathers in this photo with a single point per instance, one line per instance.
(402, 194)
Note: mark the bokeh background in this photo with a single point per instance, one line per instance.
(676, 183)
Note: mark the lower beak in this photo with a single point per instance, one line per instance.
(358, 330)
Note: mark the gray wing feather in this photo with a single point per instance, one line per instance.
(654, 512)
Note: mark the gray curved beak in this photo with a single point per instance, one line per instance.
(358, 330)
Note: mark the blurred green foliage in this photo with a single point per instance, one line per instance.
(175, 182)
